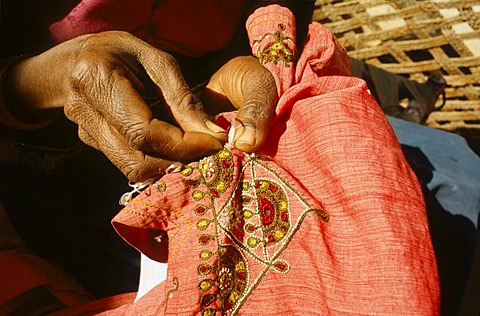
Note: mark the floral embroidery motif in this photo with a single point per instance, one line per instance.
(215, 174)
(161, 186)
(281, 48)
(231, 280)
(206, 167)
(252, 226)
(273, 211)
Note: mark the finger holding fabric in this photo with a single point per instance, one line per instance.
(99, 80)
(244, 84)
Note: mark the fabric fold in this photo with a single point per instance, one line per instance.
(327, 218)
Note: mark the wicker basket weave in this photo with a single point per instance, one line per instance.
(415, 38)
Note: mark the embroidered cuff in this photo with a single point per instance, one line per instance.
(271, 31)
(6, 117)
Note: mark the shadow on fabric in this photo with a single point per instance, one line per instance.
(453, 237)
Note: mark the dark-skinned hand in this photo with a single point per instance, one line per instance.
(100, 80)
(244, 84)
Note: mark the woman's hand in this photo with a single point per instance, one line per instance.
(99, 80)
(244, 84)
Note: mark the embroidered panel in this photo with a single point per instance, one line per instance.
(276, 47)
(241, 235)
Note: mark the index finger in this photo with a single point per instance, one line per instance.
(108, 88)
(114, 80)
(185, 107)
(135, 164)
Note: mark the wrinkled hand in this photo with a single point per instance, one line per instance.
(99, 80)
(244, 84)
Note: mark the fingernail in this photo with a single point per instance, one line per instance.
(248, 137)
(231, 133)
(174, 167)
(214, 127)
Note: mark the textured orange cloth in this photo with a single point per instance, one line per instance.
(97, 306)
(26, 278)
(328, 219)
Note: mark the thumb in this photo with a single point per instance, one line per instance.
(256, 107)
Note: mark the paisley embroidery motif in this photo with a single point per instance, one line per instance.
(281, 48)
(171, 291)
(230, 282)
(253, 226)
(273, 211)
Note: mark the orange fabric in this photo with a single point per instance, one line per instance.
(178, 25)
(272, 35)
(98, 306)
(248, 235)
(22, 272)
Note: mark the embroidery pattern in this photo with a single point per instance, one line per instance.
(166, 217)
(280, 49)
(253, 226)
(172, 291)
(161, 186)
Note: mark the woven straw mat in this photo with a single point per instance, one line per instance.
(415, 38)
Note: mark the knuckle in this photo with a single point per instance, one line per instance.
(131, 164)
(167, 64)
(176, 150)
(267, 79)
(94, 77)
(85, 72)
(134, 173)
(254, 113)
(263, 91)
(262, 77)
(71, 112)
(75, 112)
(137, 136)
(118, 35)
(168, 60)
(189, 101)
(139, 170)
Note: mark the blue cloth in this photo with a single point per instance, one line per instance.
(449, 172)
(454, 166)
